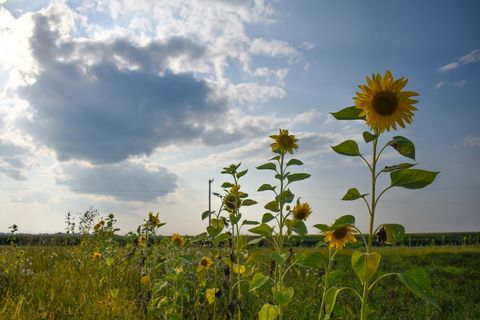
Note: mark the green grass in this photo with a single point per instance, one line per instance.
(56, 282)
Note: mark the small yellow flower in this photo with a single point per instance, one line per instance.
(337, 239)
(384, 104)
(153, 219)
(178, 240)
(142, 240)
(284, 142)
(145, 280)
(302, 211)
(96, 255)
(206, 262)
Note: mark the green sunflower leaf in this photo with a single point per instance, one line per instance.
(368, 137)
(263, 230)
(412, 178)
(321, 227)
(242, 173)
(226, 185)
(205, 214)
(258, 280)
(248, 202)
(298, 226)
(330, 299)
(265, 187)
(403, 146)
(268, 166)
(417, 281)
(365, 264)
(347, 148)
(349, 113)
(398, 167)
(283, 295)
(343, 221)
(272, 206)
(268, 312)
(395, 233)
(353, 194)
(294, 162)
(267, 217)
(297, 177)
(250, 222)
(222, 237)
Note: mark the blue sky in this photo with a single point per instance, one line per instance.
(132, 106)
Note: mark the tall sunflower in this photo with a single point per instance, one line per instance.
(384, 103)
(284, 142)
(338, 238)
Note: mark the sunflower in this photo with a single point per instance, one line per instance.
(178, 240)
(206, 262)
(337, 239)
(302, 211)
(284, 142)
(142, 240)
(384, 104)
(153, 219)
(96, 255)
(232, 200)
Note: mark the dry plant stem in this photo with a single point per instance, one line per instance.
(363, 311)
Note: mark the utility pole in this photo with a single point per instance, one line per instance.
(210, 201)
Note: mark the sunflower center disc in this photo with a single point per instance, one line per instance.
(340, 233)
(385, 103)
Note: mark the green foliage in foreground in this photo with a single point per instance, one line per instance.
(67, 283)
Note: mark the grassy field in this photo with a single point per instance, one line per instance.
(67, 282)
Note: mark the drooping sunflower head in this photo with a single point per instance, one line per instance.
(153, 219)
(284, 142)
(178, 240)
(338, 238)
(302, 211)
(232, 200)
(206, 262)
(384, 103)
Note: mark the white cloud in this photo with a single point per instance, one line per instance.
(471, 142)
(470, 57)
(445, 83)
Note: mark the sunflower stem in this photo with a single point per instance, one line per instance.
(363, 310)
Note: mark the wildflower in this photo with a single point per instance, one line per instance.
(284, 142)
(96, 255)
(145, 280)
(206, 262)
(178, 240)
(153, 219)
(337, 239)
(302, 211)
(384, 104)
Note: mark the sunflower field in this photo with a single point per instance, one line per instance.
(247, 269)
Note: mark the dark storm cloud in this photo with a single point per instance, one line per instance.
(86, 105)
(123, 181)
